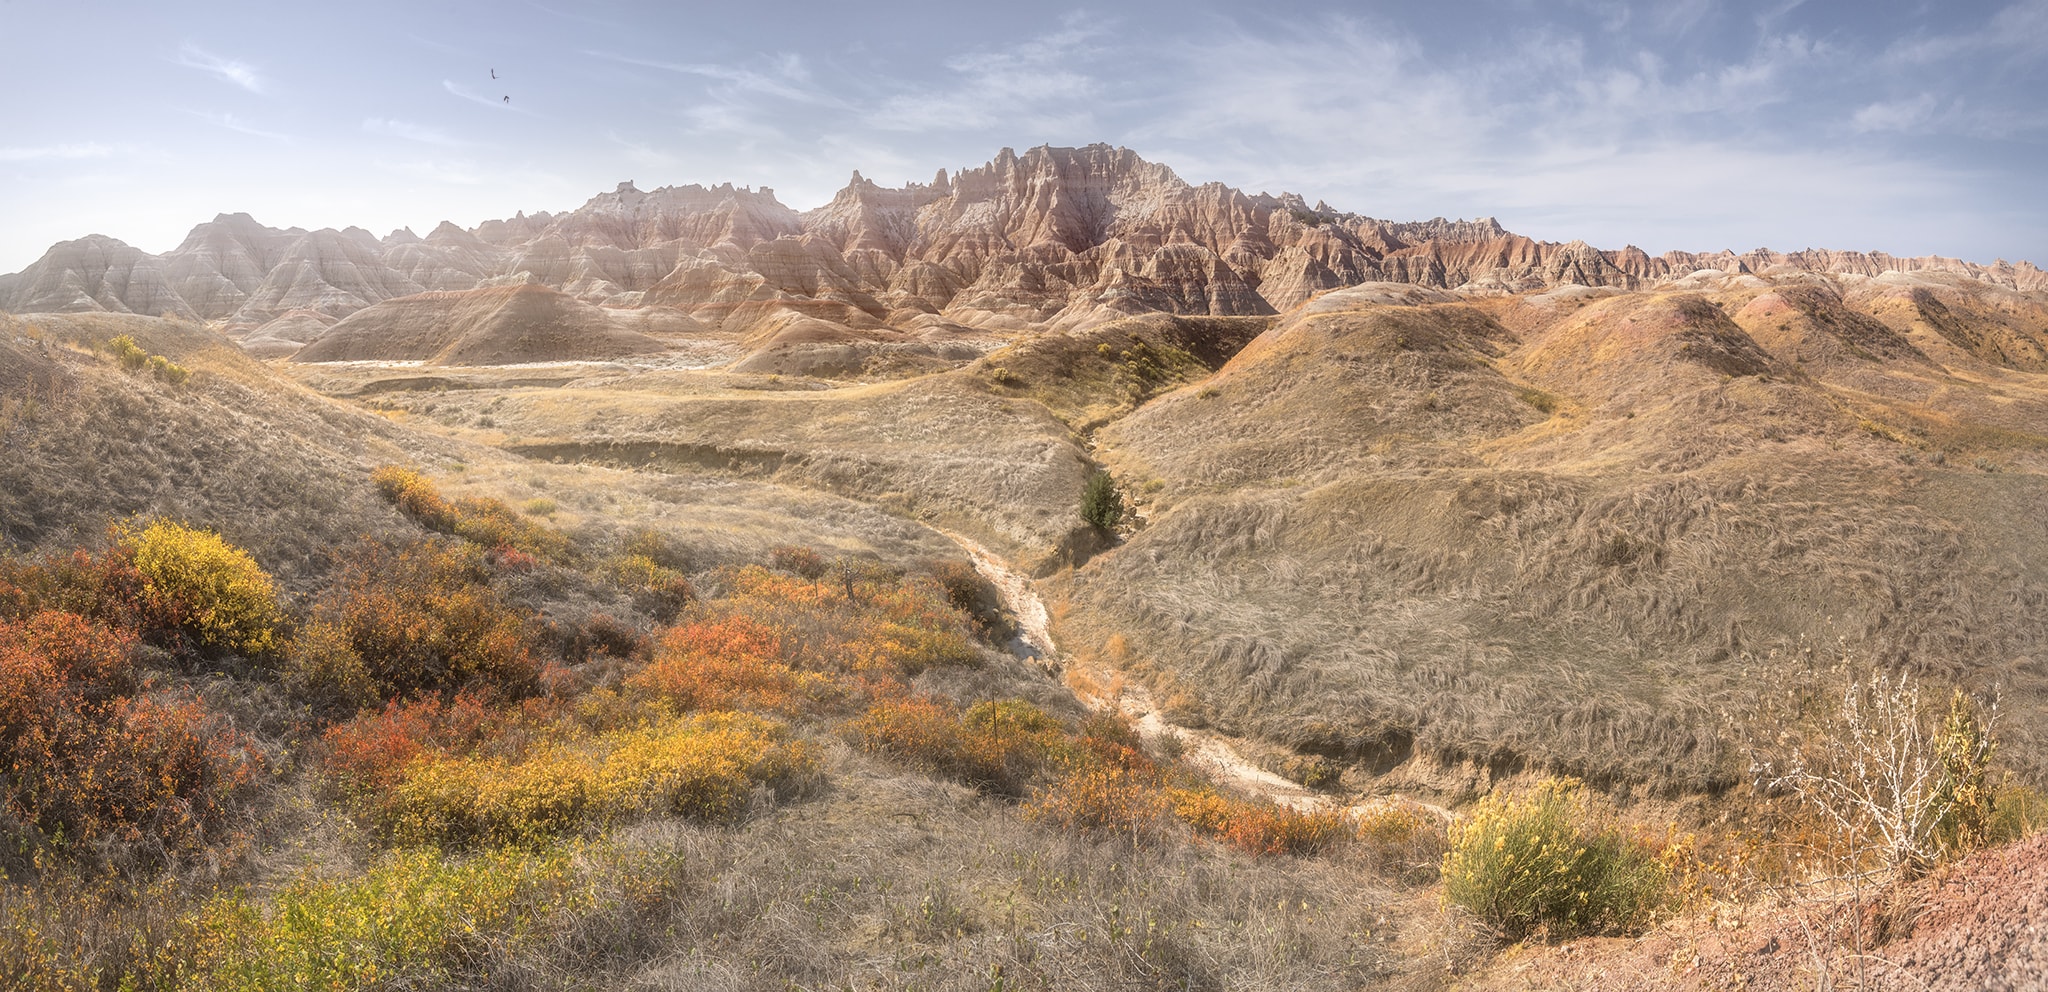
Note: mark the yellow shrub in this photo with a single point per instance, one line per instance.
(1547, 861)
(415, 497)
(167, 370)
(208, 587)
(703, 767)
(128, 353)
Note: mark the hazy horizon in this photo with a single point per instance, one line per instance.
(1906, 128)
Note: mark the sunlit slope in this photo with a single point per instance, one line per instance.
(943, 449)
(231, 447)
(1570, 531)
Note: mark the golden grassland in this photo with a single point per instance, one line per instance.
(596, 678)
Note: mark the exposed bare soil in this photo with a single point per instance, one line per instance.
(1977, 926)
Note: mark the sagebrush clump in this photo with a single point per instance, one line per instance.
(1547, 861)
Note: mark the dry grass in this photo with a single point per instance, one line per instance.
(1366, 544)
(895, 882)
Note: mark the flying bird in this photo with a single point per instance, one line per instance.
(508, 99)
(494, 73)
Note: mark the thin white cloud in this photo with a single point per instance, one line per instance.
(410, 131)
(789, 79)
(641, 154)
(2018, 28)
(238, 73)
(1894, 115)
(222, 119)
(1042, 85)
(57, 153)
(499, 102)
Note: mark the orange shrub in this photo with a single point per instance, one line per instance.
(872, 626)
(1258, 827)
(997, 746)
(924, 732)
(731, 662)
(419, 620)
(1102, 798)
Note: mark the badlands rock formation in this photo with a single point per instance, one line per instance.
(1055, 237)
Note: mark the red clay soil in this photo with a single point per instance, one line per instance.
(1978, 926)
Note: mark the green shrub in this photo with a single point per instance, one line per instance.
(167, 370)
(416, 921)
(1545, 862)
(1102, 503)
(128, 353)
(207, 587)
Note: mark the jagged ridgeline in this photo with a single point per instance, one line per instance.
(1430, 496)
(1052, 239)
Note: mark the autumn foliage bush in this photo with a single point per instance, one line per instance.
(410, 621)
(369, 753)
(177, 586)
(1258, 827)
(198, 583)
(729, 662)
(1000, 746)
(84, 756)
(488, 523)
(703, 767)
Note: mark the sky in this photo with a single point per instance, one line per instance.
(1912, 128)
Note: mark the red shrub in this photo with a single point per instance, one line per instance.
(800, 560)
(82, 759)
(369, 753)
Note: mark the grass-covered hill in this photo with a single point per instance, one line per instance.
(629, 673)
(1580, 534)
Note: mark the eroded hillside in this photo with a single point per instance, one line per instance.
(1414, 513)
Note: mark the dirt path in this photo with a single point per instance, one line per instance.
(1207, 751)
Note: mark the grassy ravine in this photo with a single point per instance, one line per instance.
(805, 772)
(540, 708)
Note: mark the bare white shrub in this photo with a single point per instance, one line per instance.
(1890, 772)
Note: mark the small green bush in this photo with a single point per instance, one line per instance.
(1102, 503)
(128, 353)
(417, 920)
(1544, 861)
(167, 370)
